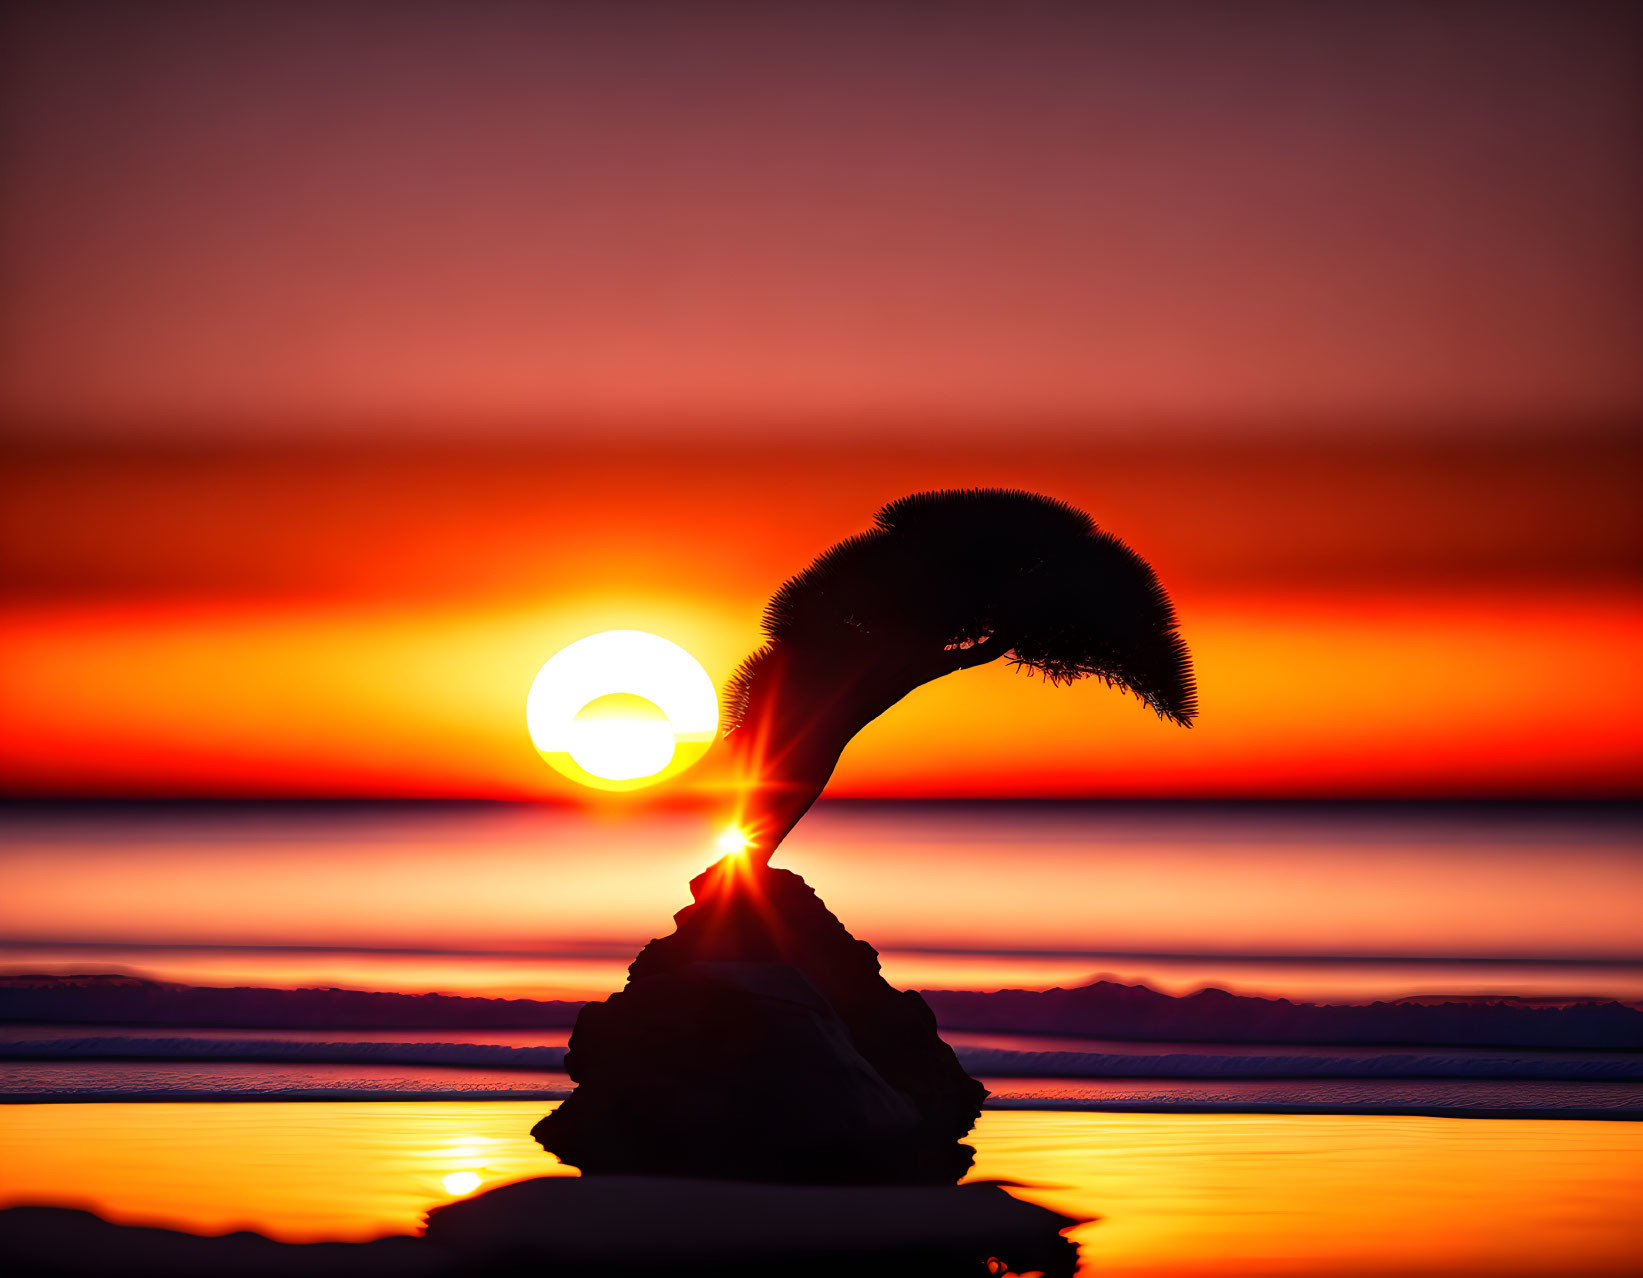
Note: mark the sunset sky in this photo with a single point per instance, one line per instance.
(353, 369)
(359, 357)
(1387, 618)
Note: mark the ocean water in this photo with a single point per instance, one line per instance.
(208, 1080)
(1310, 901)
(1162, 1195)
(40, 1062)
(1338, 903)
(1182, 1158)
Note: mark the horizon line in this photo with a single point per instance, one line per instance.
(623, 948)
(1629, 797)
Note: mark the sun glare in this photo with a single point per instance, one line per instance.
(462, 1182)
(622, 709)
(733, 840)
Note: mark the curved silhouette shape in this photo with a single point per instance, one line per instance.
(760, 1042)
(944, 581)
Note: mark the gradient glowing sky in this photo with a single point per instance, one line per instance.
(1380, 620)
(356, 365)
(280, 217)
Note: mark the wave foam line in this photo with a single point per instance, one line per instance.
(1003, 1063)
(997, 1062)
(113, 1048)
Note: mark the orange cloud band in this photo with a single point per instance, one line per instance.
(1527, 692)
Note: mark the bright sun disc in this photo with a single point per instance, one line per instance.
(622, 709)
(462, 1182)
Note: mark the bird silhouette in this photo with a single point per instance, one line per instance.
(943, 581)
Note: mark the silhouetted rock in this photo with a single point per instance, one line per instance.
(595, 1227)
(1102, 1009)
(1106, 1009)
(641, 1225)
(97, 998)
(759, 1042)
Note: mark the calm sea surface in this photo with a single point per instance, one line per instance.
(1321, 903)
(1310, 902)
(1176, 1194)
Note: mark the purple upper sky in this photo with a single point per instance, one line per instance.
(488, 216)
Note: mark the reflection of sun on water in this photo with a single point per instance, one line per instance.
(301, 1171)
(466, 1148)
(1179, 1194)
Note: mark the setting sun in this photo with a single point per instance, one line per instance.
(622, 709)
(621, 737)
(971, 639)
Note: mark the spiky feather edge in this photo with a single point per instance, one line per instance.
(780, 611)
(935, 498)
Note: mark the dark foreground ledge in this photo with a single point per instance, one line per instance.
(603, 1227)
